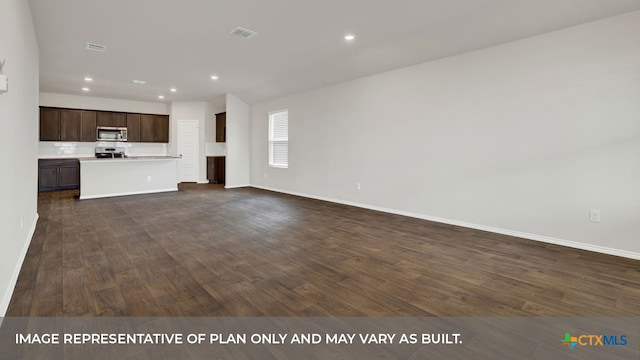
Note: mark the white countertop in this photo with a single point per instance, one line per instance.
(130, 158)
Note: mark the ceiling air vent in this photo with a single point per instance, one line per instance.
(95, 47)
(242, 32)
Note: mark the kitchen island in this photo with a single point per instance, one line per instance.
(101, 178)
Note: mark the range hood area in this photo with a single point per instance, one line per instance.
(103, 152)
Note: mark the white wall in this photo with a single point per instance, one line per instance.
(238, 143)
(19, 147)
(100, 103)
(522, 138)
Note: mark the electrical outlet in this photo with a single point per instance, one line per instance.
(595, 216)
(265, 175)
(149, 178)
(358, 186)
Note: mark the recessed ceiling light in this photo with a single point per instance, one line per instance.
(139, 82)
(214, 77)
(349, 37)
(88, 79)
(173, 89)
(85, 89)
(160, 96)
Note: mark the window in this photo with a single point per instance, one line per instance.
(279, 138)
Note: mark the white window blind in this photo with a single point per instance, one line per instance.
(279, 139)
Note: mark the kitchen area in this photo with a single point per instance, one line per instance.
(104, 153)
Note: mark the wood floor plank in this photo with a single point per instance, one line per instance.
(210, 251)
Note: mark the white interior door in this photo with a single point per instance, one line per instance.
(188, 135)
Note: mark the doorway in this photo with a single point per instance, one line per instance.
(188, 150)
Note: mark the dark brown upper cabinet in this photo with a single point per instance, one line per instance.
(119, 119)
(147, 127)
(221, 127)
(162, 128)
(58, 124)
(133, 127)
(111, 119)
(104, 118)
(154, 128)
(88, 126)
(49, 124)
(69, 125)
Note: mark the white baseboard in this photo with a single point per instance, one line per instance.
(236, 186)
(98, 196)
(535, 237)
(6, 299)
(202, 182)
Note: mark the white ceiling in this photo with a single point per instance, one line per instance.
(299, 45)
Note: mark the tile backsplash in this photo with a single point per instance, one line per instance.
(61, 149)
(215, 149)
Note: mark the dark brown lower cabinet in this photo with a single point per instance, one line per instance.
(216, 169)
(58, 174)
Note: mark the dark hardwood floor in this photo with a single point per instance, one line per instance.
(207, 251)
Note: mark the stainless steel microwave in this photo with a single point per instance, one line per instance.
(111, 133)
